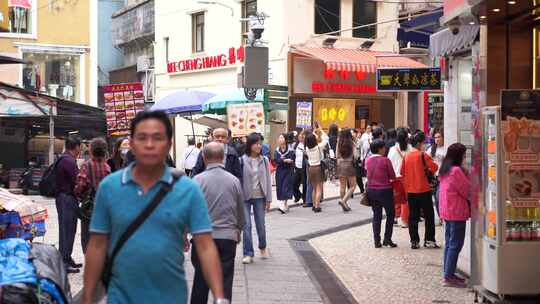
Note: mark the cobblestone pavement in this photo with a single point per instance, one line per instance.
(397, 275)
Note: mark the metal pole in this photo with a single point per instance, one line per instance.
(192, 127)
(51, 136)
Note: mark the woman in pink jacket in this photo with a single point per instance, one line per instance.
(454, 209)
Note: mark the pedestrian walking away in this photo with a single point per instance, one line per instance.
(191, 154)
(345, 168)
(257, 187)
(380, 194)
(66, 203)
(225, 200)
(284, 157)
(315, 155)
(92, 172)
(231, 162)
(159, 207)
(416, 168)
(455, 190)
(396, 155)
(300, 167)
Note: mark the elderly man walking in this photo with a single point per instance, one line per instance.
(225, 200)
(230, 160)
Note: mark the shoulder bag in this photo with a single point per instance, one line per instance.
(132, 228)
(364, 196)
(87, 203)
(431, 178)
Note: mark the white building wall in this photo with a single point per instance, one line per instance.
(291, 22)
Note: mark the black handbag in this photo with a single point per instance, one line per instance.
(433, 181)
(86, 207)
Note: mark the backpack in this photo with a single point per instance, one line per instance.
(47, 185)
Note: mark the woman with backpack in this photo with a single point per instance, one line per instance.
(92, 172)
(455, 188)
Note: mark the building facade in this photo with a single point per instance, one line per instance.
(132, 33)
(189, 32)
(61, 65)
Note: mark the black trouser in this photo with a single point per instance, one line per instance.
(85, 233)
(300, 179)
(188, 172)
(379, 199)
(67, 208)
(227, 252)
(421, 203)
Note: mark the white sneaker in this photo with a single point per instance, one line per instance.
(264, 254)
(247, 260)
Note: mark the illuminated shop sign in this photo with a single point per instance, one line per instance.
(233, 56)
(424, 79)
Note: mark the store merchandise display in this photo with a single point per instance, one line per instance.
(20, 217)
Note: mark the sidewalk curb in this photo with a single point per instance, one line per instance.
(330, 287)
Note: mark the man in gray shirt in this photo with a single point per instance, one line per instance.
(225, 200)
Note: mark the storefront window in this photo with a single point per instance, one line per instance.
(435, 111)
(17, 16)
(54, 74)
(465, 102)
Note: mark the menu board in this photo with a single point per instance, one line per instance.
(303, 114)
(122, 102)
(521, 142)
(244, 119)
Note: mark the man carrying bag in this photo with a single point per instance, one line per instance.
(137, 229)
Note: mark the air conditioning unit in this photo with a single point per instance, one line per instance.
(143, 63)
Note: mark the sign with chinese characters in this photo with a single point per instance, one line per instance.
(423, 79)
(334, 111)
(246, 118)
(233, 56)
(303, 114)
(313, 78)
(122, 102)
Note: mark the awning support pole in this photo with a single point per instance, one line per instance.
(51, 136)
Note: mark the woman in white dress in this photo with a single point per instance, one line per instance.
(396, 155)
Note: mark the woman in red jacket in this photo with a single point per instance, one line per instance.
(454, 207)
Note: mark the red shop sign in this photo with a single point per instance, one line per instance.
(207, 62)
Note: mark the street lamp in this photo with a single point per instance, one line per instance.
(218, 3)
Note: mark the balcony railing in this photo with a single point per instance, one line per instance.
(133, 23)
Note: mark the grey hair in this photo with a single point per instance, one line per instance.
(214, 152)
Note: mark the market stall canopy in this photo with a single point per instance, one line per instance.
(356, 60)
(23, 107)
(182, 102)
(218, 104)
(445, 42)
(23, 103)
(11, 60)
(211, 122)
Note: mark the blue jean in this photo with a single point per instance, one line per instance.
(258, 214)
(454, 238)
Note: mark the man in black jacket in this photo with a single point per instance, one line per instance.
(232, 162)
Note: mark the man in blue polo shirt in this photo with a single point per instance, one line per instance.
(149, 267)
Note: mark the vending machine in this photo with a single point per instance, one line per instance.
(510, 208)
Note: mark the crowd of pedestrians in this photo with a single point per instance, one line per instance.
(208, 206)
